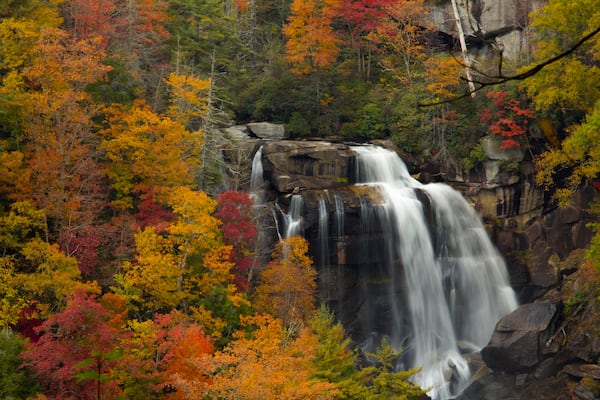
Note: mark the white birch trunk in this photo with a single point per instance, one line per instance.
(463, 48)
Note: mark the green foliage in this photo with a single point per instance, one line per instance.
(298, 125)
(15, 382)
(334, 359)
(337, 363)
(384, 381)
(476, 155)
(372, 123)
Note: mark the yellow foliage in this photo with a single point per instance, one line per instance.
(572, 82)
(156, 274)
(11, 301)
(54, 277)
(187, 97)
(148, 151)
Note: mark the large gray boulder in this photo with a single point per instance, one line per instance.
(519, 338)
(266, 130)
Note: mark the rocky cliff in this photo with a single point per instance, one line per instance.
(539, 345)
(489, 25)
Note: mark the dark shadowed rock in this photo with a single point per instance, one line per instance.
(518, 337)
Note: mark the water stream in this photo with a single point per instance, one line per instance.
(455, 282)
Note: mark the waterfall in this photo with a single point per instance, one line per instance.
(293, 218)
(256, 177)
(454, 283)
(323, 232)
(339, 216)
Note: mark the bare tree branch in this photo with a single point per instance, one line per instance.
(499, 79)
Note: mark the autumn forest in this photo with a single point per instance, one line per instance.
(128, 265)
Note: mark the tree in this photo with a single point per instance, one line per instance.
(15, 381)
(569, 83)
(384, 382)
(36, 273)
(312, 43)
(570, 87)
(334, 359)
(579, 153)
(234, 209)
(395, 30)
(91, 19)
(507, 118)
(81, 331)
(158, 353)
(140, 40)
(185, 267)
(56, 117)
(147, 151)
(267, 363)
(287, 285)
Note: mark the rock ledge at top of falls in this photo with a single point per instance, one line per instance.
(296, 165)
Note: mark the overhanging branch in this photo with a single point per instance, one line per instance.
(499, 79)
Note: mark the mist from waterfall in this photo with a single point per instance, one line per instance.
(455, 282)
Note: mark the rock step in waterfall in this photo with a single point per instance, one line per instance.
(444, 282)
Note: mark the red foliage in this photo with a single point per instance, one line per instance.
(364, 16)
(28, 324)
(234, 209)
(160, 357)
(508, 118)
(153, 214)
(76, 334)
(91, 18)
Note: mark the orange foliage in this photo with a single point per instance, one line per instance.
(57, 117)
(267, 365)
(288, 283)
(312, 43)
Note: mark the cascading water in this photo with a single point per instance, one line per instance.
(323, 232)
(293, 218)
(424, 272)
(256, 177)
(455, 282)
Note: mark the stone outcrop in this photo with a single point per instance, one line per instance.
(484, 21)
(299, 165)
(520, 338)
(266, 130)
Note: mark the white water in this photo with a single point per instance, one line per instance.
(293, 218)
(256, 177)
(323, 232)
(455, 281)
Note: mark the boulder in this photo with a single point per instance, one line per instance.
(266, 130)
(518, 338)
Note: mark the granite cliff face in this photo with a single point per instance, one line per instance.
(503, 23)
(537, 346)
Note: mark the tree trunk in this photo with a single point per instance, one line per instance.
(463, 48)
